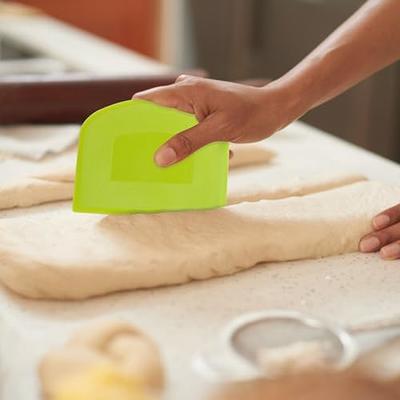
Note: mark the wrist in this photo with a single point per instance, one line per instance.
(298, 94)
(289, 97)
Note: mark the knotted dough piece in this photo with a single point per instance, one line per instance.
(113, 345)
(61, 255)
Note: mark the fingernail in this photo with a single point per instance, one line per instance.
(391, 251)
(369, 244)
(381, 221)
(165, 156)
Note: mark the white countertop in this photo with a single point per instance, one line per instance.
(344, 289)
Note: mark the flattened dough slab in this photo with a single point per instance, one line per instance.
(27, 192)
(245, 186)
(61, 255)
(54, 180)
(280, 182)
(246, 154)
(24, 184)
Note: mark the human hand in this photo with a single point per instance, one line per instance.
(226, 112)
(386, 234)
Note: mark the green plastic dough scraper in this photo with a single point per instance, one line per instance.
(116, 172)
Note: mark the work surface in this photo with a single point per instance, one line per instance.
(182, 319)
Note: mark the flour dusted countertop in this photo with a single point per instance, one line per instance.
(344, 289)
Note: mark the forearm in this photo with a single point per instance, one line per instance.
(364, 44)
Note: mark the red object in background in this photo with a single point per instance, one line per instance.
(131, 23)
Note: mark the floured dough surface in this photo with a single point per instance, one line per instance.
(245, 186)
(245, 154)
(27, 192)
(281, 182)
(59, 185)
(61, 255)
(26, 183)
(114, 344)
(53, 179)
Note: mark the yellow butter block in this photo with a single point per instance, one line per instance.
(102, 383)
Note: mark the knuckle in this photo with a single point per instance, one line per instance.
(190, 87)
(229, 127)
(183, 144)
(394, 212)
(389, 234)
(394, 231)
(181, 78)
(186, 79)
(384, 236)
(193, 82)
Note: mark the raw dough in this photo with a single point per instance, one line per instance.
(26, 183)
(54, 181)
(279, 182)
(116, 344)
(245, 186)
(243, 155)
(249, 154)
(27, 192)
(65, 173)
(61, 255)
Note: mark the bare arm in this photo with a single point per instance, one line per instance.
(364, 44)
(367, 42)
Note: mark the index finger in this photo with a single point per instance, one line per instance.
(167, 96)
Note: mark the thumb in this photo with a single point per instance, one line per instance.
(187, 142)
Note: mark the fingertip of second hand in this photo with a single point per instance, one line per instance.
(381, 221)
(391, 251)
(369, 244)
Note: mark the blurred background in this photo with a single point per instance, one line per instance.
(230, 39)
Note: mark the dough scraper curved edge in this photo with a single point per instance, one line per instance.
(116, 172)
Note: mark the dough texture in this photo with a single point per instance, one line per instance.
(243, 155)
(27, 192)
(27, 183)
(113, 344)
(54, 181)
(61, 255)
(249, 154)
(281, 182)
